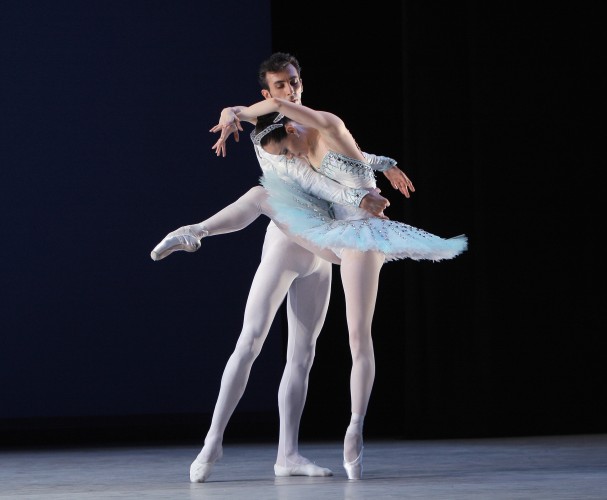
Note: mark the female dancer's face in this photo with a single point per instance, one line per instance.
(294, 145)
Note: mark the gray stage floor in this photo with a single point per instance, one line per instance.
(565, 467)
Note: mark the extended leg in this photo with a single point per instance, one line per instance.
(234, 217)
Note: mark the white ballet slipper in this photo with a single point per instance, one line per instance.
(309, 469)
(200, 471)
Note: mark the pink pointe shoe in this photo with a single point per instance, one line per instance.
(183, 238)
(354, 469)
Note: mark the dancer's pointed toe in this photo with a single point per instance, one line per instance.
(310, 469)
(184, 239)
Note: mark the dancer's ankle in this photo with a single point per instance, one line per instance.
(291, 460)
(199, 230)
(353, 445)
(211, 451)
(353, 441)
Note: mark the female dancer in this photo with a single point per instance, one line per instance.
(362, 241)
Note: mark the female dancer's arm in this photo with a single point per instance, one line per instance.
(395, 175)
(326, 123)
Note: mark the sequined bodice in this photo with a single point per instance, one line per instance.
(349, 172)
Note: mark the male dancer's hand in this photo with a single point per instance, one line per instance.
(375, 203)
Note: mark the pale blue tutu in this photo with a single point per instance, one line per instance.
(312, 219)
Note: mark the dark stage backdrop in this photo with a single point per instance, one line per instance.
(494, 110)
(106, 111)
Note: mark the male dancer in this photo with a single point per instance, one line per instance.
(285, 269)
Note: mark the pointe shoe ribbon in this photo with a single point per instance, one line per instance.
(354, 469)
(310, 469)
(183, 238)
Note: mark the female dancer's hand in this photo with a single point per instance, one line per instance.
(399, 180)
(228, 124)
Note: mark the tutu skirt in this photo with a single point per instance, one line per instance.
(312, 219)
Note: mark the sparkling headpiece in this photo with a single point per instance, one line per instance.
(257, 138)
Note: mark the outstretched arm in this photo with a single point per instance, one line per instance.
(310, 180)
(395, 175)
(309, 117)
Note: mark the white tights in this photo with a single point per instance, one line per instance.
(360, 280)
(286, 269)
(244, 211)
(286, 266)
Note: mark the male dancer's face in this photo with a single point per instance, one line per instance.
(284, 84)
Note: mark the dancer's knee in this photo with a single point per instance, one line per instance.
(361, 344)
(248, 347)
(257, 195)
(302, 363)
